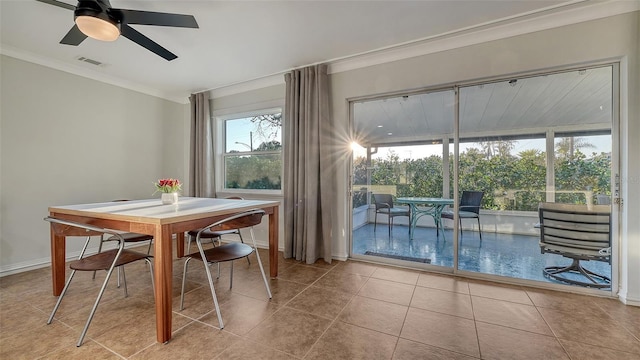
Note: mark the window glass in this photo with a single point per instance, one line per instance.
(511, 171)
(582, 169)
(253, 152)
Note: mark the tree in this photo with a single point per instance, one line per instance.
(497, 147)
(267, 125)
(272, 145)
(360, 171)
(387, 171)
(567, 146)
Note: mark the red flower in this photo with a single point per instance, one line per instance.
(168, 185)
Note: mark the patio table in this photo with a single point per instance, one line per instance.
(421, 206)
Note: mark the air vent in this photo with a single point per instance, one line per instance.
(90, 61)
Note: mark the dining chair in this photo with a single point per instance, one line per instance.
(384, 205)
(226, 252)
(215, 236)
(129, 238)
(107, 260)
(469, 208)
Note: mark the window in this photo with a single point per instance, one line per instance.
(582, 167)
(252, 157)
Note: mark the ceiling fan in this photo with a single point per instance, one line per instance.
(98, 20)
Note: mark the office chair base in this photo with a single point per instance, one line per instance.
(597, 281)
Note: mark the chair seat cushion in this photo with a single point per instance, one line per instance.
(208, 234)
(131, 237)
(226, 252)
(463, 214)
(103, 260)
(394, 211)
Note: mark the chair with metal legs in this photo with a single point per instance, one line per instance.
(107, 260)
(129, 238)
(226, 252)
(215, 236)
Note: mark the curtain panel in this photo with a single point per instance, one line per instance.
(309, 195)
(201, 174)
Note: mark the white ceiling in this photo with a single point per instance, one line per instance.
(241, 41)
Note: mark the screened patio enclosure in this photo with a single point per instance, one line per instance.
(520, 141)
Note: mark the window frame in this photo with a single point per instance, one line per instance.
(220, 138)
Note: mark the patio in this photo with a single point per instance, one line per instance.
(510, 255)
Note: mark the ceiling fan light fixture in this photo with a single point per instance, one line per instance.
(97, 27)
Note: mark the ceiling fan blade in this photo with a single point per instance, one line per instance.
(154, 18)
(74, 37)
(58, 3)
(135, 36)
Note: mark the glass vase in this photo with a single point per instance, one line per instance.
(169, 198)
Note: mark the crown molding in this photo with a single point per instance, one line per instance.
(259, 83)
(88, 73)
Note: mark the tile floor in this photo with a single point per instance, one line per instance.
(346, 310)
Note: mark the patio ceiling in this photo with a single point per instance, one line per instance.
(569, 101)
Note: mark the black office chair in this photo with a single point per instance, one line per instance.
(384, 205)
(469, 209)
(580, 233)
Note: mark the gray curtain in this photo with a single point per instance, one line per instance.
(201, 175)
(309, 195)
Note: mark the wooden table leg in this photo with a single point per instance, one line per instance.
(273, 242)
(180, 244)
(58, 257)
(163, 274)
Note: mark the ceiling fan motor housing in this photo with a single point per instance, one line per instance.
(97, 9)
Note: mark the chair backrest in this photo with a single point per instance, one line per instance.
(69, 228)
(583, 230)
(471, 200)
(238, 221)
(383, 200)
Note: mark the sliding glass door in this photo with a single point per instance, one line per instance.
(401, 152)
(520, 142)
(523, 142)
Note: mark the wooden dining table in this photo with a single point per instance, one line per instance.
(151, 217)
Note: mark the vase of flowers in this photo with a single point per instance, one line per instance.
(169, 189)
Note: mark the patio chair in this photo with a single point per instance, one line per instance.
(226, 252)
(107, 260)
(384, 205)
(469, 209)
(578, 232)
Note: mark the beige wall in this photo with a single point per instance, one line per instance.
(66, 139)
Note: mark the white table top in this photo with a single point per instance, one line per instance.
(153, 211)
